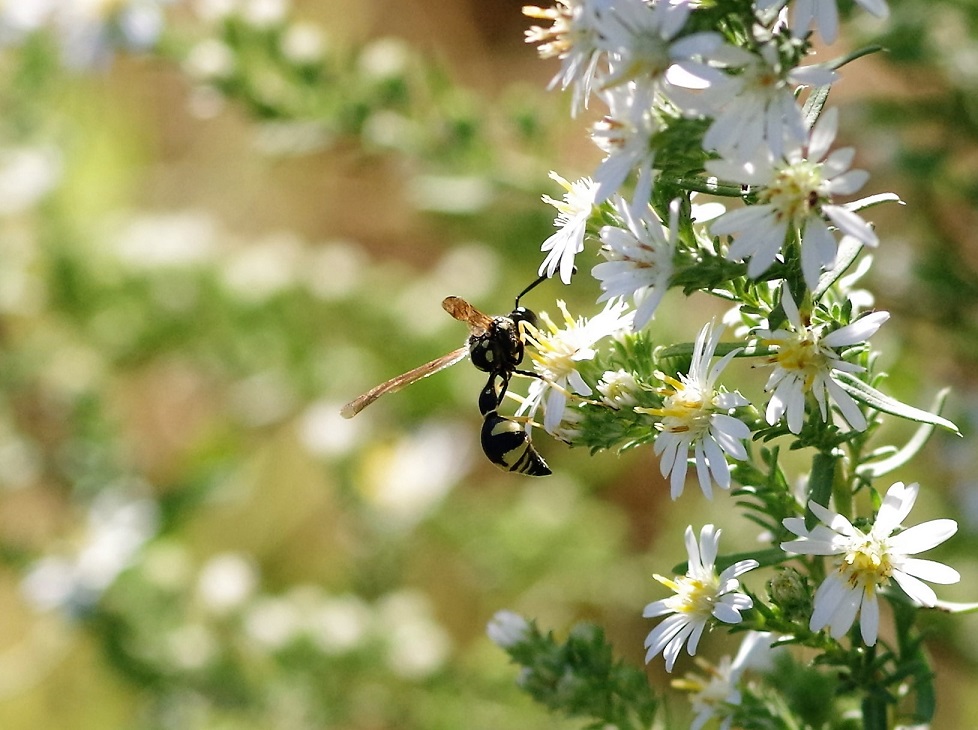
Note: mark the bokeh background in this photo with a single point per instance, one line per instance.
(213, 236)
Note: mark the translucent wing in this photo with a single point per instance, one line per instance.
(464, 312)
(402, 381)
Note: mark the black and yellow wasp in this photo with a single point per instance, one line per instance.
(495, 346)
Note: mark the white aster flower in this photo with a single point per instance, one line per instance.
(507, 629)
(717, 695)
(868, 560)
(756, 109)
(639, 259)
(701, 596)
(696, 416)
(823, 14)
(643, 47)
(573, 38)
(795, 200)
(571, 221)
(625, 135)
(618, 388)
(556, 352)
(805, 361)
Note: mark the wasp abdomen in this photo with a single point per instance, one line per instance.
(508, 446)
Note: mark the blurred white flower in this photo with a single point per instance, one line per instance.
(27, 175)
(118, 526)
(507, 628)
(411, 478)
(210, 60)
(574, 38)
(166, 240)
(339, 623)
(717, 694)
(823, 14)
(261, 270)
(271, 622)
(226, 582)
(416, 645)
(264, 13)
(303, 43)
(756, 108)
(88, 31)
(324, 432)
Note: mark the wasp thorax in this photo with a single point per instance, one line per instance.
(499, 348)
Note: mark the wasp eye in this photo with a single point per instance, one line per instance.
(522, 314)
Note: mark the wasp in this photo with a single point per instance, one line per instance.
(495, 345)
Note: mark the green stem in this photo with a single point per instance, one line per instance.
(820, 484)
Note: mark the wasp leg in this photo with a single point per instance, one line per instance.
(492, 395)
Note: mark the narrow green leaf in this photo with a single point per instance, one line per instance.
(820, 485)
(814, 104)
(849, 249)
(910, 449)
(865, 393)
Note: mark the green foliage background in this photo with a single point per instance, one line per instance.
(224, 262)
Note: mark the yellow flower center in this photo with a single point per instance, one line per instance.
(801, 355)
(867, 565)
(795, 191)
(685, 408)
(695, 595)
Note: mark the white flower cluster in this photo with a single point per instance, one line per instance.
(87, 31)
(791, 241)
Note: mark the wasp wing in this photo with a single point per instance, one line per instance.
(461, 310)
(402, 381)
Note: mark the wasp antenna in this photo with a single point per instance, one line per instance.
(541, 278)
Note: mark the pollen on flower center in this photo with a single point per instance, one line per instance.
(796, 190)
(684, 408)
(695, 595)
(553, 354)
(867, 565)
(802, 355)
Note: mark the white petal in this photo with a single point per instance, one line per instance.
(915, 588)
(823, 134)
(709, 545)
(923, 537)
(856, 332)
(930, 570)
(847, 405)
(703, 471)
(657, 608)
(869, 618)
(851, 224)
(897, 503)
(845, 613)
(694, 638)
(827, 599)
